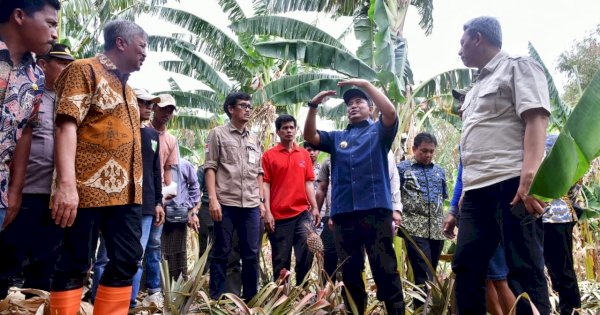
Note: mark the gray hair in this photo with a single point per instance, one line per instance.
(488, 26)
(121, 28)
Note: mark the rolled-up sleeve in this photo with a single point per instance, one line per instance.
(531, 87)
(327, 139)
(386, 134)
(211, 151)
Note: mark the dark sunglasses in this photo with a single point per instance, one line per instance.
(146, 103)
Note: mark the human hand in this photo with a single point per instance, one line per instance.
(269, 222)
(330, 224)
(318, 99)
(14, 205)
(448, 226)
(354, 81)
(316, 215)
(159, 215)
(533, 206)
(214, 209)
(64, 208)
(193, 221)
(397, 217)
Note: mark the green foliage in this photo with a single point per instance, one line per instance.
(580, 64)
(577, 145)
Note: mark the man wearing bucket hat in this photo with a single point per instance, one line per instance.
(361, 206)
(33, 236)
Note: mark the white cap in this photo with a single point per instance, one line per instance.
(144, 95)
(166, 100)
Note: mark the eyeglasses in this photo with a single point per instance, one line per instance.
(245, 106)
(146, 103)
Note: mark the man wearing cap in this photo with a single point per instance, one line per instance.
(163, 112)
(26, 27)
(361, 205)
(98, 182)
(33, 237)
(153, 215)
(505, 116)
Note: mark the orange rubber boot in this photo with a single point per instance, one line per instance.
(112, 300)
(65, 302)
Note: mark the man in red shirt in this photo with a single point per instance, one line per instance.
(289, 199)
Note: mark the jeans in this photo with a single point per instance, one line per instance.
(30, 244)
(2, 215)
(558, 254)
(150, 242)
(121, 227)
(291, 233)
(246, 222)
(369, 230)
(485, 221)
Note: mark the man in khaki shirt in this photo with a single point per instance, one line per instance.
(505, 116)
(234, 180)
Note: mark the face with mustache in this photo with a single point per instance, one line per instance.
(133, 52)
(358, 109)
(38, 30)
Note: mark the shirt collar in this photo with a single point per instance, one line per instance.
(414, 161)
(361, 124)
(111, 67)
(282, 148)
(493, 64)
(27, 59)
(233, 129)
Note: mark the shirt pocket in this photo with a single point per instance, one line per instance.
(229, 151)
(486, 102)
(252, 159)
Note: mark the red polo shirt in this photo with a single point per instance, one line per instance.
(287, 172)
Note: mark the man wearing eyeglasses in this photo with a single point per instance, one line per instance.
(234, 176)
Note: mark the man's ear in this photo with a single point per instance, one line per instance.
(18, 15)
(42, 63)
(121, 43)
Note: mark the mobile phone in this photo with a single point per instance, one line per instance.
(519, 210)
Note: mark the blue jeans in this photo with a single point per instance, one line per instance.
(246, 222)
(485, 221)
(150, 241)
(2, 215)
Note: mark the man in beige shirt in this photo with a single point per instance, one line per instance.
(233, 175)
(505, 116)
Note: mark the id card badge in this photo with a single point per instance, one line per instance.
(251, 157)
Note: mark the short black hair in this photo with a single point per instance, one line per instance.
(29, 6)
(424, 137)
(307, 146)
(488, 26)
(282, 119)
(232, 98)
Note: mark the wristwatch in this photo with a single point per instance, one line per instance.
(261, 199)
(311, 105)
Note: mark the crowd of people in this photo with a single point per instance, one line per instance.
(91, 179)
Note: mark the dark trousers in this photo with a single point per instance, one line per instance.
(485, 221)
(121, 227)
(173, 246)
(432, 250)
(30, 245)
(369, 230)
(246, 222)
(291, 233)
(330, 256)
(206, 231)
(558, 255)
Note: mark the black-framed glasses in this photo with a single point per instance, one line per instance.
(245, 106)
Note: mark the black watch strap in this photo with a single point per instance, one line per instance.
(311, 105)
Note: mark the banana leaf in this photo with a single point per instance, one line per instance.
(577, 145)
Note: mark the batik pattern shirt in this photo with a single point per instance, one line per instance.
(108, 161)
(423, 189)
(21, 89)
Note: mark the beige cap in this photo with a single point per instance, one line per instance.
(166, 100)
(144, 95)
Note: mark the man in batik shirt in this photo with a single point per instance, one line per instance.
(99, 171)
